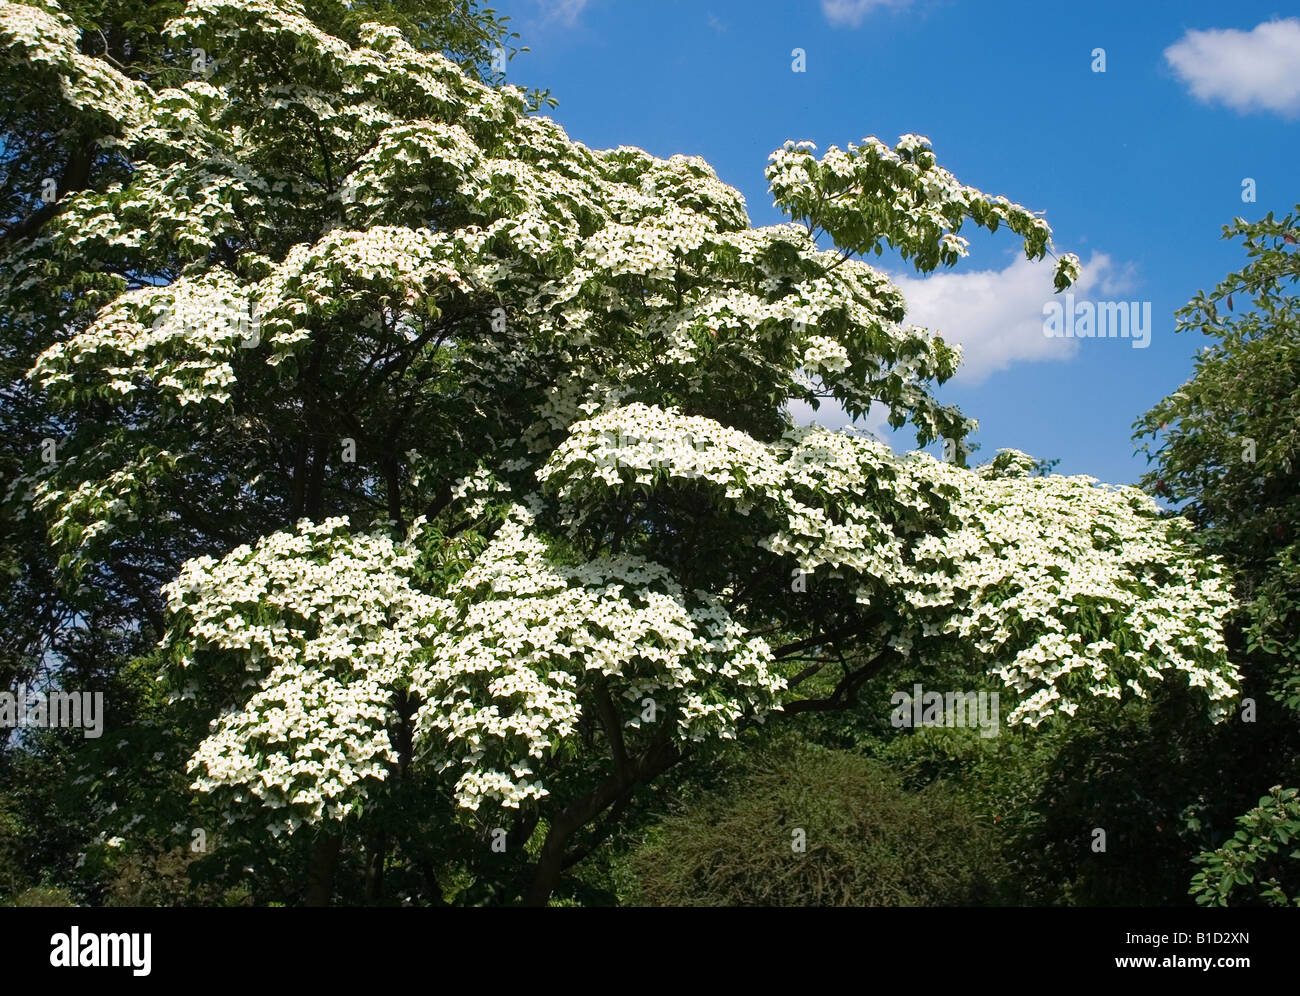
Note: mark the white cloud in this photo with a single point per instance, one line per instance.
(1247, 70)
(563, 10)
(831, 415)
(997, 315)
(851, 13)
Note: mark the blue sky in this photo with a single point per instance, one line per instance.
(1137, 168)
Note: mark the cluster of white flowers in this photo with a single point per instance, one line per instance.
(90, 509)
(642, 439)
(825, 354)
(1015, 568)
(321, 624)
(596, 242)
(480, 487)
(178, 339)
(506, 679)
(49, 42)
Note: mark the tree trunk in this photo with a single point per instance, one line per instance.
(550, 865)
(320, 875)
(376, 855)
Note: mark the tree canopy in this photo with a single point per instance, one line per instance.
(1229, 457)
(450, 463)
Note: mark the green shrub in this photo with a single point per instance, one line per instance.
(45, 895)
(1258, 865)
(164, 879)
(867, 841)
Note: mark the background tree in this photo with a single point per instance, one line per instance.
(1229, 459)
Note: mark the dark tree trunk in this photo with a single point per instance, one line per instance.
(553, 860)
(550, 865)
(324, 864)
(376, 855)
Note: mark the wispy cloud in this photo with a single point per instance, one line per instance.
(1247, 70)
(851, 13)
(565, 11)
(997, 315)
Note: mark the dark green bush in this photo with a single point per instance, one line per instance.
(868, 841)
(45, 895)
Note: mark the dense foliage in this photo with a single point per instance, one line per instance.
(422, 487)
(812, 827)
(1229, 456)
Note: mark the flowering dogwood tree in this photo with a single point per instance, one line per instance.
(461, 453)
